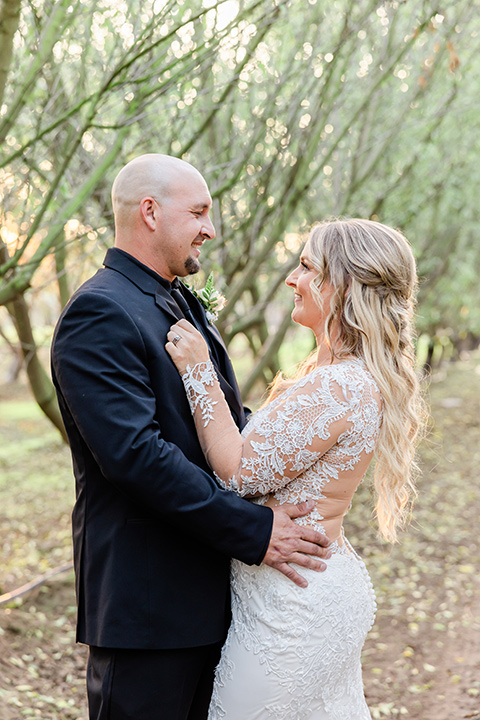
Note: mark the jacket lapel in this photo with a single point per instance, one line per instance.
(123, 263)
(126, 265)
(165, 302)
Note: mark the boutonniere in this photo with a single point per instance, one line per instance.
(212, 300)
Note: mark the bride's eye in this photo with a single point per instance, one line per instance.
(304, 265)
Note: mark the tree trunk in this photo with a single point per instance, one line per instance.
(61, 268)
(17, 360)
(40, 383)
(9, 19)
(270, 352)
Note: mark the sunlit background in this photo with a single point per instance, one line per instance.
(294, 111)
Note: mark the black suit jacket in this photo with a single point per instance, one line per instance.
(152, 531)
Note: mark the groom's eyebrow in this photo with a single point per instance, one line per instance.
(201, 206)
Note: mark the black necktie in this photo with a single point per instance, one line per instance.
(184, 307)
(231, 397)
(187, 312)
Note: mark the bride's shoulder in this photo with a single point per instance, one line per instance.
(348, 373)
(343, 368)
(345, 381)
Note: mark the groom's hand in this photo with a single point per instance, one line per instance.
(292, 543)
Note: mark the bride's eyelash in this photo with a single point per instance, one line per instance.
(304, 264)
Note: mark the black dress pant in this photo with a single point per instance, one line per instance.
(151, 684)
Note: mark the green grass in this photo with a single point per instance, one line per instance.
(418, 656)
(36, 494)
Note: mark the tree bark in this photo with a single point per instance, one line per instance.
(47, 40)
(61, 268)
(9, 19)
(270, 352)
(40, 383)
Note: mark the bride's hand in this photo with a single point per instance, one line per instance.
(186, 346)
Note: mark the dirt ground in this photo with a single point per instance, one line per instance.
(422, 658)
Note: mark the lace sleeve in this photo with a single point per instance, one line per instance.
(219, 437)
(196, 381)
(287, 436)
(292, 434)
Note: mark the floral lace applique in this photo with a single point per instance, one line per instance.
(196, 380)
(280, 434)
(304, 643)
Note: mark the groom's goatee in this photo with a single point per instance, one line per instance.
(192, 266)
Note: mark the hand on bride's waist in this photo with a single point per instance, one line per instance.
(326, 523)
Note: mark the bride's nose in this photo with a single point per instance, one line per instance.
(291, 280)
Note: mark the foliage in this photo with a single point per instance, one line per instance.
(293, 111)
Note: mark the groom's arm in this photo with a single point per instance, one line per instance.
(100, 368)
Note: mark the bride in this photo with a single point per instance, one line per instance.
(293, 653)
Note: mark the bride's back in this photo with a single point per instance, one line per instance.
(326, 426)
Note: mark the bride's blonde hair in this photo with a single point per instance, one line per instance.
(372, 270)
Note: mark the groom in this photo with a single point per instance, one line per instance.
(152, 531)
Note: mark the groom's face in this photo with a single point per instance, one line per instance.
(184, 225)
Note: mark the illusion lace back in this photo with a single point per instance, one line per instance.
(294, 653)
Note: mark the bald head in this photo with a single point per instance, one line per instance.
(161, 206)
(153, 175)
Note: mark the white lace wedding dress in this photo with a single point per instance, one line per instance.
(294, 653)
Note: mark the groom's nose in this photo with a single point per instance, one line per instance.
(208, 229)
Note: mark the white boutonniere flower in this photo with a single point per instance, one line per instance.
(212, 300)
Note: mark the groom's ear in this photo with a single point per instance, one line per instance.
(150, 212)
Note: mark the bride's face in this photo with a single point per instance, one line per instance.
(306, 311)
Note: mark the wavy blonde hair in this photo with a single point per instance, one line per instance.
(372, 269)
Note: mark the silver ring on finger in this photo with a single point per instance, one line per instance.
(176, 339)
